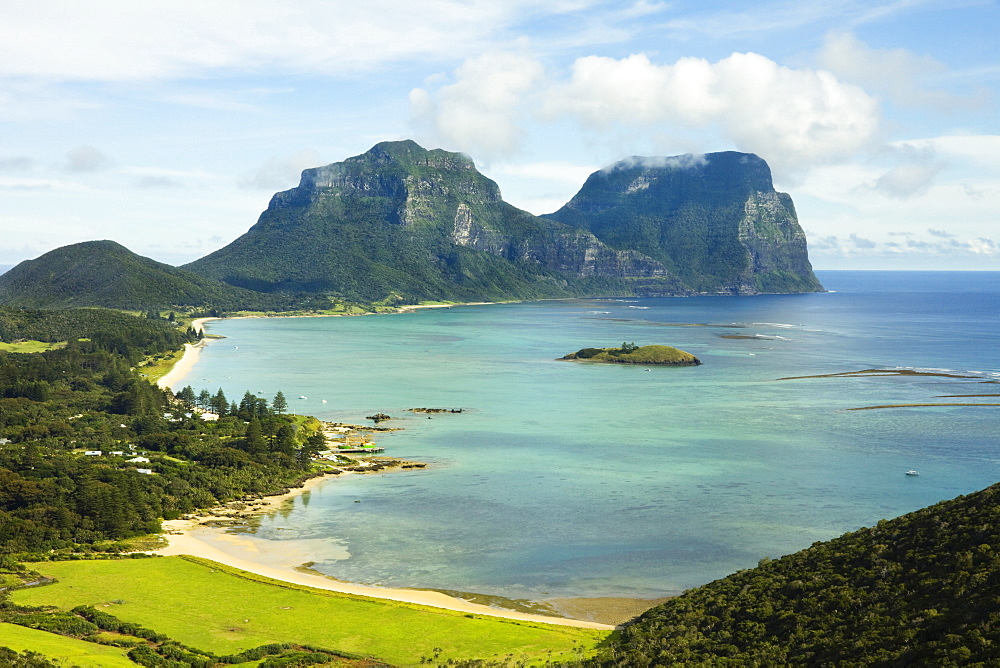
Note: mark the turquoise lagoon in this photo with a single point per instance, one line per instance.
(568, 479)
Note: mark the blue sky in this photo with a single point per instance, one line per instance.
(167, 126)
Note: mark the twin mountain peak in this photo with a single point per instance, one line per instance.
(409, 224)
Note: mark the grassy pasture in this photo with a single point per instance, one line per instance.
(29, 346)
(160, 365)
(211, 607)
(70, 651)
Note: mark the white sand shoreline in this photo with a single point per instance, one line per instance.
(183, 539)
(187, 361)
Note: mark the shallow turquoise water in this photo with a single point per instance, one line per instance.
(564, 479)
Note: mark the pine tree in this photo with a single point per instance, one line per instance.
(313, 446)
(285, 440)
(187, 395)
(254, 442)
(280, 404)
(219, 404)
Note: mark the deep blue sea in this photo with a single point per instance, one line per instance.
(568, 479)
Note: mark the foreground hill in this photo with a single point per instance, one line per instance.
(104, 273)
(922, 589)
(715, 222)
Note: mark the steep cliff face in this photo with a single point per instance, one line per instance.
(419, 224)
(715, 222)
(402, 220)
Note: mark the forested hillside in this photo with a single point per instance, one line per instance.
(919, 590)
(136, 336)
(104, 273)
(57, 405)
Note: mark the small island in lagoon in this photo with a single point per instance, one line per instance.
(629, 353)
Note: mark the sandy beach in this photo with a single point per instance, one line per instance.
(191, 352)
(191, 537)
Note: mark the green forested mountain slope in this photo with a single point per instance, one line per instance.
(714, 221)
(104, 273)
(919, 590)
(420, 224)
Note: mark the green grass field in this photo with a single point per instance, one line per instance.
(203, 606)
(29, 346)
(69, 651)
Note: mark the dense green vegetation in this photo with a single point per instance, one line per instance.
(629, 353)
(136, 337)
(86, 396)
(104, 273)
(922, 589)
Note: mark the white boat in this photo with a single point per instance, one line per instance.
(912, 472)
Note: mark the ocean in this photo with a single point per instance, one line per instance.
(562, 479)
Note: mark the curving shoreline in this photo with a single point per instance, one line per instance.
(191, 537)
(186, 363)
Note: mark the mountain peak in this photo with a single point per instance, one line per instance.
(731, 170)
(409, 153)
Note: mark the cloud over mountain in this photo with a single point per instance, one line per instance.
(795, 117)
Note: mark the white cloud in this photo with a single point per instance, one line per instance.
(481, 112)
(984, 246)
(158, 182)
(106, 41)
(686, 161)
(792, 118)
(908, 180)
(861, 242)
(899, 74)
(281, 173)
(942, 214)
(540, 187)
(566, 173)
(978, 151)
